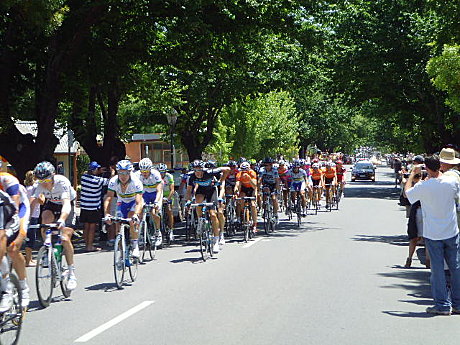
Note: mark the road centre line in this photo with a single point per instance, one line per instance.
(113, 322)
(247, 245)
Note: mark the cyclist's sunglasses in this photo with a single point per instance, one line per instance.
(123, 173)
(198, 169)
(46, 180)
(145, 171)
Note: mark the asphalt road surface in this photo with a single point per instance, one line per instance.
(336, 280)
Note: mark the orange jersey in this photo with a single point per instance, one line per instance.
(245, 177)
(329, 173)
(316, 175)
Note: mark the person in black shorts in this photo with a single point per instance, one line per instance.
(203, 186)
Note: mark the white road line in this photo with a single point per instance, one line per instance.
(247, 245)
(113, 322)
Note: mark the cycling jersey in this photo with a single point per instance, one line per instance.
(168, 180)
(9, 183)
(316, 175)
(62, 189)
(231, 179)
(151, 182)
(329, 173)
(269, 177)
(300, 176)
(340, 173)
(206, 183)
(245, 177)
(134, 187)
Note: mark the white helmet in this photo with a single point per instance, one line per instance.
(245, 166)
(145, 164)
(315, 165)
(162, 167)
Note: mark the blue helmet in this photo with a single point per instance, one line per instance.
(44, 170)
(125, 165)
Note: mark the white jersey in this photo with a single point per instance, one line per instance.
(269, 177)
(62, 189)
(300, 176)
(150, 183)
(129, 194)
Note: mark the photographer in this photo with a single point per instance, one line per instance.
(438, 195)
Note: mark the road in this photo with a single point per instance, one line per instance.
(336, 280)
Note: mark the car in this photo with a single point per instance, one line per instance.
(363, 170)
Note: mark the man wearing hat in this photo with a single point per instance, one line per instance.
(449, 164)
(90, 202)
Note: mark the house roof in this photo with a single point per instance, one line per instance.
(30, 127)
(146, 137)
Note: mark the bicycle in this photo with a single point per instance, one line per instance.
(247, 223)
(191, 223)
(204, 230)
(11, 320)
(122, 252)
(298, 207)
(50, 269)
(148, 234)
(268, 214)
(314, 201)
(330, 199)
(164, 218)
(339, 193)
(230, 215)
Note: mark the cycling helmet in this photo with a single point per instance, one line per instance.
(210, 165)
(231, 164)
(339, 162)
(145, 164)
(162, 167)
(297, 164)
(124, 165)
(197, 164)
(315, 165)
(44, 170)
(281, 162)
(245, 166)
(241, 160)
(267, 160)
(316, 160)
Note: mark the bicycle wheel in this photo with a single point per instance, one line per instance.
(210, 239)
(267, 218)
(299, 210)
(45, 275)
(133, 264)
(247, 226)
(64, 279)
(143, 241)
(119, 260)
(152, 236)
(11, 320)
(204, 242)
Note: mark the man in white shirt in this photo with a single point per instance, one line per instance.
(438, 195)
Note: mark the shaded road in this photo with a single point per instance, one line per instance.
(336, 280)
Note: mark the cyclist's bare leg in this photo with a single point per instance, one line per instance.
(221, 216)
(19, 262)
(156, 217)
(214, 222)
(133, 227)
(170, 216)
(47, 217)
(66, 236)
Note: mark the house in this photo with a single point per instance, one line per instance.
(154, 146)
(66, 157)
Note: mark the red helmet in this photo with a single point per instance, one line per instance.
(339, 162)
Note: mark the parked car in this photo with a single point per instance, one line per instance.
(363, 170)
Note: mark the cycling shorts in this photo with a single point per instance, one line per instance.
(149, 197)
(210, 194)
(56, 210)
(339, 177)
(328, 181)
(298, 186)
(316, 182)
(123, 208)
(248, 191)
(270, 186)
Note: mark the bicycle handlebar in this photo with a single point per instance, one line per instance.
(117, 219)
(209, 204)
(39, 226)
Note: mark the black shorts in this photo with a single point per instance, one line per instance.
(248, 191)
(210, 194)
(56, 210)
(328, 181)
(270, 186)
(316, 182)
(90, 216)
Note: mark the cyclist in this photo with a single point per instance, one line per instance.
(270, 182)
(285, 179)
(168, 193)
(316, 175)
(129, 191)
(203, 183)
(340, 172)
(9, 228)
(330, 180)
(57, 195)
(230, 182)
(246, 186)
(299, 184)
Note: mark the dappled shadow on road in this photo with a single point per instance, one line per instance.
(397, 240)
(106, 287)
(376, 190)
(416, 282)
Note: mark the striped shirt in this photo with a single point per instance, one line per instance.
(91, 189)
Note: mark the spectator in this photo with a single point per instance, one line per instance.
(449, 162)
(438, 195)
(90, 203)
(397, 166)
(30, 184)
